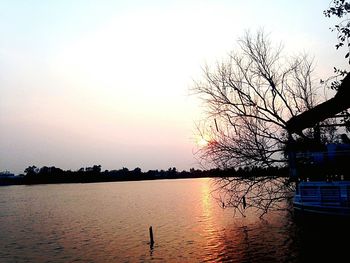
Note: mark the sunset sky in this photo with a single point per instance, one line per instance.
(107, 82)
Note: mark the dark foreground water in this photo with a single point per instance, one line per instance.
(109, 222)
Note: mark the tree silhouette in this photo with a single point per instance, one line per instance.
(250, 99)
(340, 9)
(31, 170)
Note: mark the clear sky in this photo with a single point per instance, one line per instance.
(107, 82)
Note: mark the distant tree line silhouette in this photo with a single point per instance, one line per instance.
(50, 175)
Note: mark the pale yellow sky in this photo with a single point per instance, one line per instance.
(107, 82)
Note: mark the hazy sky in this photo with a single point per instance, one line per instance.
(107, 82)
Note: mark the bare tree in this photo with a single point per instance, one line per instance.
(249, 98)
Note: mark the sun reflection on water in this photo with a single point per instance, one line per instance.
(206, 199)
(210, 214)
(109, 222)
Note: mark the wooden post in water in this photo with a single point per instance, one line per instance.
(151, 236)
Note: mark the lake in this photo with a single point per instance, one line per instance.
(109, 222)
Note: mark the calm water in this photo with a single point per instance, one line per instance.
(108, 222)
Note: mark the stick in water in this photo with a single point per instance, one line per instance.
(151, 236)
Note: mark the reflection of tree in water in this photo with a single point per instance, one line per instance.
(280, 238)
(270, 240)
(246, 241)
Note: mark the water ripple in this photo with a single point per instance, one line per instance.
(109, 222)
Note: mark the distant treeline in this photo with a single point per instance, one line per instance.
(49, 175)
